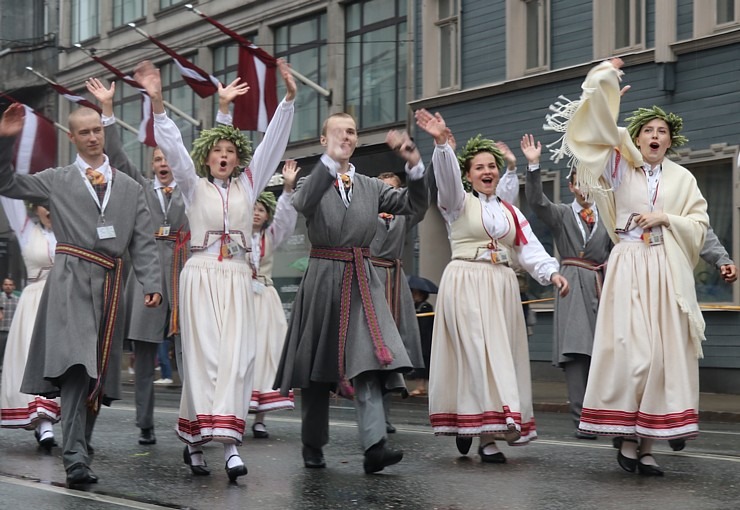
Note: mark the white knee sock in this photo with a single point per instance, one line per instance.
(259, 422)
(231, 456)
(488, 444)
(45, 429)
(196, 456)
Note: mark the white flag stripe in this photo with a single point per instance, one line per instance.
(28, 139)
(73, 98)
(261, 70)
(189, 73)
(146, 108)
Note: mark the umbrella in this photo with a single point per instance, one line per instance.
(422, 284)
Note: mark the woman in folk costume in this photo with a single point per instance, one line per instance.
(37, 241)
(644, 379)
(272, 223)
(479, 380)
(216, 297)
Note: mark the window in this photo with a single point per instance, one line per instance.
(376, 61)
(127, 107)
(619, 27)
(537, 34)
(628, 24)
(447, 25)
(180, 95)
(715, 181)
(303, 44)
(727, 12)
(84, 19)
(126, 11)
(527, 37)
(163, 4)
(22, 23)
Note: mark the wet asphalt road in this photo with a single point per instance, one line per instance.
(556, 471)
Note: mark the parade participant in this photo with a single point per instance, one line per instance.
(99, 214)
(341, 336)
(272, 223)
(479, 379)
(386, 252)
(420, 290)
(8, 305)
(147, 327)
(37, 242)
(217, 318)
(644, 378)
(584, 245)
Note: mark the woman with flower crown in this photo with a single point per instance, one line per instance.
(220, 186)
(479, 380)
(644, 379)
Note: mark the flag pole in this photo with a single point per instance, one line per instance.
(310, 83)
(48, 80)
(56, 124)
(169, 105)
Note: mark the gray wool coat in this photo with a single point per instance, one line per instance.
(148, 324)
(311, 349)
(71, 309)
(575, 314)
(388, 244)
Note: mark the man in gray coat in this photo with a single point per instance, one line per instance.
(341, 335)
(98, 214)
(147, 327)
(584, 246)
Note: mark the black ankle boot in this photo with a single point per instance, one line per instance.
(378, 457)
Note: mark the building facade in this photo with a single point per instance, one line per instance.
(489, 66)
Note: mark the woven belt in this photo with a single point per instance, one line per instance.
(179, 256)
(591, 266)
(353, 257)
(392, 284)
(111, 299)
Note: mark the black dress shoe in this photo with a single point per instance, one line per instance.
(378, 457)
(584, 435)
(235, 472)
(313, 458)
(259, 434)
(78, 475)
(389, 428)
(463, 444)
(198, 470)
(625, 462)
(617, 442)
(92, 476)
(90, 450)
(648, 469)
(47, 443)
(677, 444)
(147, 436)
(491, 458)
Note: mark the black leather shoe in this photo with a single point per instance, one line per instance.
(47, 443)
(235, 472)
(389, 428)
(78, 475)
(584, 435)
(677, 444)
(617, 442)
(259, 434)
(648, 469)
(378, 457)
(147, 436)
(92, 476)
(625, 462)
(491, 458)
(313, 458)
(90, 449)
(198, 470)
(463, 444)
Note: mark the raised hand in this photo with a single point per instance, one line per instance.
(102, 94)
(148, 76)
(227, 94)
(451, 140)
(432, 124)
(288, 78)
(531, 150)
(508, 155)
(290, 174)
(11, 123)
(404, 146)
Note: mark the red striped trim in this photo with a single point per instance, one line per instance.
(638, 418)
(474, 420)
(207, 421)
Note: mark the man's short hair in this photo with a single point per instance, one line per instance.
(341, 115)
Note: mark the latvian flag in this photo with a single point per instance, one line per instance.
(146, 127)
(204, 84)
(257, 68)
(36, 147)
(71, 96)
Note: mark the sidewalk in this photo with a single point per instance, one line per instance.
(551, 397)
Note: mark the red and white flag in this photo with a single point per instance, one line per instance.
(71, 96)
(36, 147)
(204, 84)
(258, 69)
(146, 127)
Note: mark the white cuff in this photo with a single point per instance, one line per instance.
(330, 164)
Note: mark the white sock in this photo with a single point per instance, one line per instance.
(231, 456)
(259, 426)
(629, 449)
(44, 427)
(196, 456)
(491, 449)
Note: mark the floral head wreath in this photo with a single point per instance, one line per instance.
(474, 146)
(208, 139)
(642, 116)
(267, 199)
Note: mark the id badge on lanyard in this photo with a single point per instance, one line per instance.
(498, 256)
